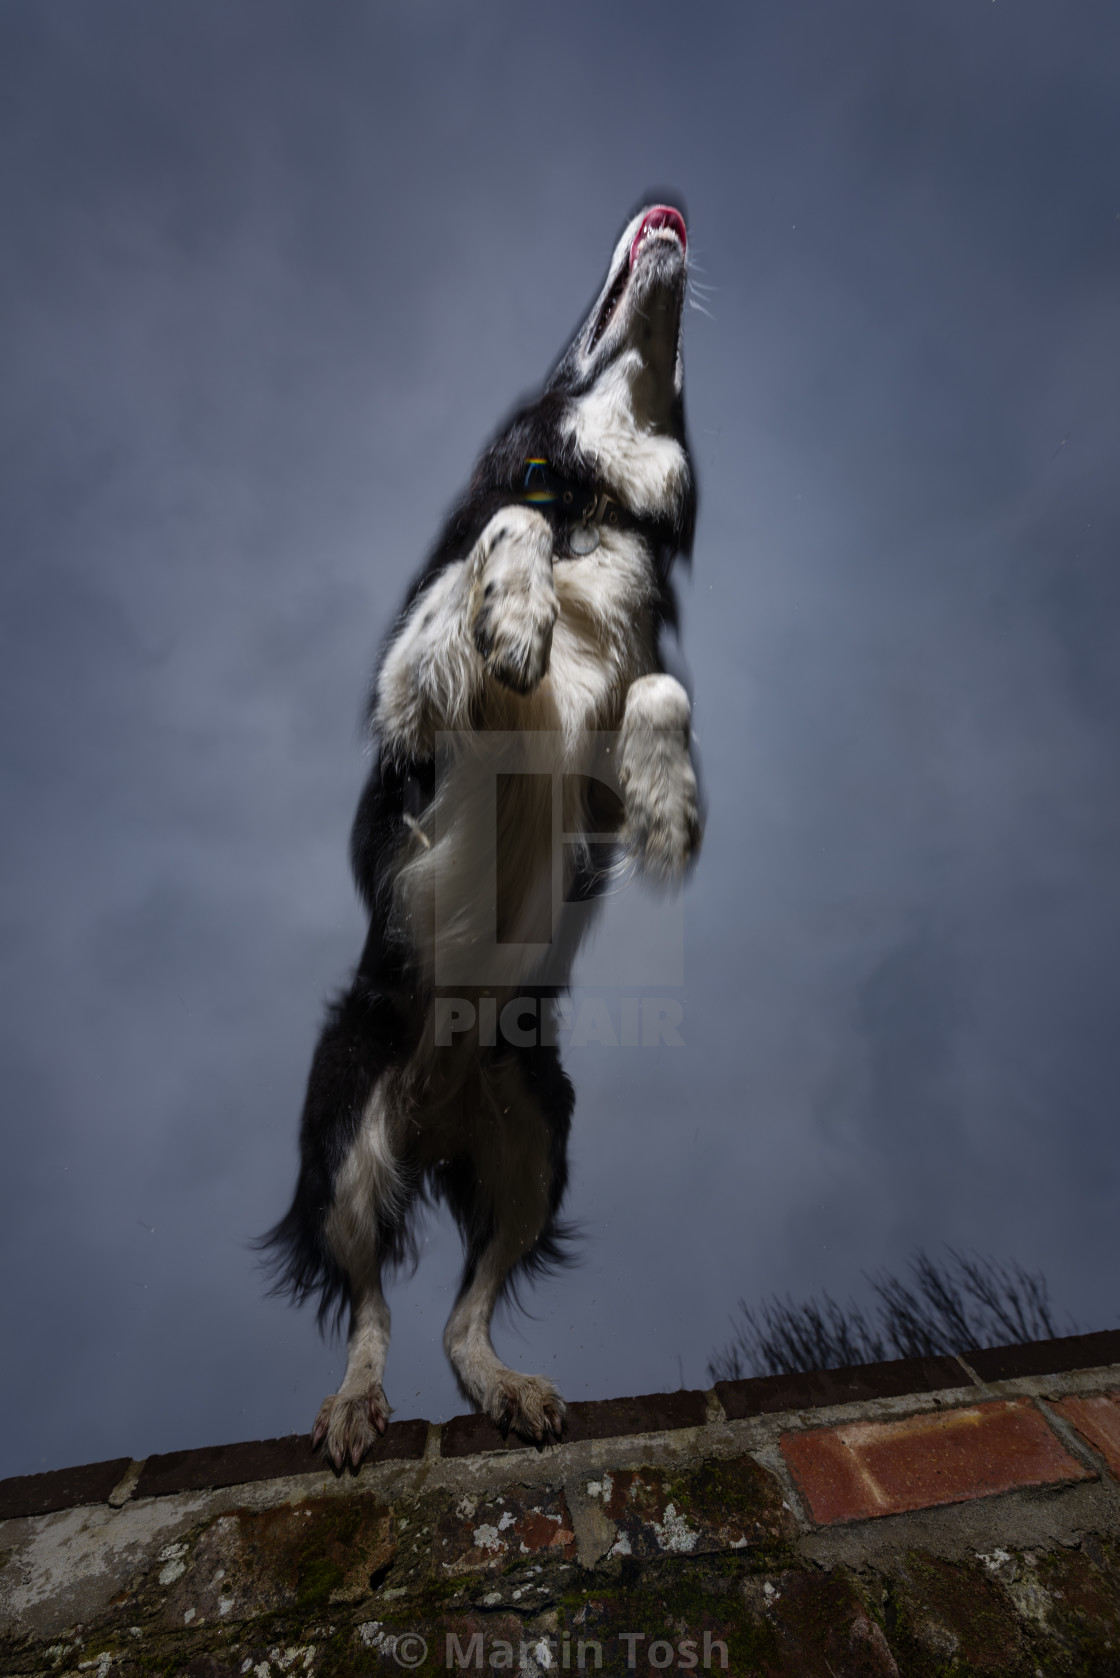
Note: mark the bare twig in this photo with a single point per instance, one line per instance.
(965, 1301)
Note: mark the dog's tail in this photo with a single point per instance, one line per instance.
(299, 1264)
(364, 1033)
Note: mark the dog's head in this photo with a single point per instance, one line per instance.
(637, 315)
(611, 416)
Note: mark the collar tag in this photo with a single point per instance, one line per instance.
(583, 539)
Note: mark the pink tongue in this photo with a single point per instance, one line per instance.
(662, 215)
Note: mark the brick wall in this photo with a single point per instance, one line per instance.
(919, 1517)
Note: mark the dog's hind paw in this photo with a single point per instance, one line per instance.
(347, 1427)
(528, 1405)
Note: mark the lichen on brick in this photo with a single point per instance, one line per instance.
(489, 1534)
(957, 1617)
(1084, 1605)
(716, 1505)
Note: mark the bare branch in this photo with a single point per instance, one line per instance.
(965, 1301)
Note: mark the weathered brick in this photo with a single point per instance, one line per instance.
(487, 1534)
(249, 1562)
(611, 1418)
(953, 1616)
(1083, 1603)
(617, 1418)
(213, 1466)
(60, 1488)
(883, 1468)
(1097, 1419)
(813, 1389)
(1046, 1357)
(824, 1627)
(468, 1436)
(721, 1504)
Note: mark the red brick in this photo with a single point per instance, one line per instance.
(863, 1469)
(1096, 1419)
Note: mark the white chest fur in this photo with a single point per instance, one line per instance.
(646, 468)
(602, 641)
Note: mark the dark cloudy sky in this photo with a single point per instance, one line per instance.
(269, 275)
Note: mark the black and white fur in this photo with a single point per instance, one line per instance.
(507, 629)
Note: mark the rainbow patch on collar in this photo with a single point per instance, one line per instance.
(536, 486)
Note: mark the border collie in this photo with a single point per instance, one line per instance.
(539, 617)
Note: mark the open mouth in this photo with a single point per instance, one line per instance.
(660, 223)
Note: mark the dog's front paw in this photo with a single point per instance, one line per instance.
(513, 600)
(662, 828)
(347, 1427)
(528, 1405)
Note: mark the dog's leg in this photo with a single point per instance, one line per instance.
(528, 1404)
(366, 1195)
(516, 1175)
(350, 1420)
(491, 614)
(662, 828)
(513, 605)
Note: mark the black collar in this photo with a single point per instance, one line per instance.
(577, 510)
